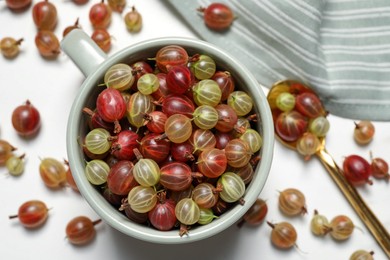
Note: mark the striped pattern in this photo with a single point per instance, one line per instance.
(339, 47)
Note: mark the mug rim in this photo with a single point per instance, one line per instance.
(111, 215)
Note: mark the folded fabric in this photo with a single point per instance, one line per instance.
(341, 48)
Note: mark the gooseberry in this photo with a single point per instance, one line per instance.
(217, 16)
(206, 216)
(292, 202)
(357, 170)
(283, 235)
(153, 148)
(179, 79)
(119, 76)
(120, 179)
(111, 106)
(202, 66)
(207, 92)
(379, 168)
(255, 214)
(308, 144)
(26, 120)
(285, 101)
(178, 104)
(341, 227)
(253, 138)
(139, 105)
(206, 195)
(364, 132)
(319, 224)
(212, 162)
(52, 172)
(176, 176)
(308, 104)
(202, 140)
(133, 20)
(238, 153)
(45, 15)
(146, 171)
(102, 38)
(81, 230)
(100, 15)
(225, 82)
(96, 171)
(178, 128)
(148, 83)
(124, 144)
(170, 56)
(182, 152)
(98, 141)
(227, 118)
(205, 117)
(187, 212)
(9, 47)
(162, 216)
(233, 187)
(15, 165)
(142, 199)
(32, 214)
(155, 121)
(241, 102)
(290, 125)
(47, 44)
(319, 126)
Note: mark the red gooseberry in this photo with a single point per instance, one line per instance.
(162, 216)
(100, 15)
(32, 214)
(102, 38)
(290, 125)
(81, 230)
(357, 170)
(45, 15)
(217, 16)
(111, 107)
(26, 120)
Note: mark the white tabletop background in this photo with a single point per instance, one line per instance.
(51, 86)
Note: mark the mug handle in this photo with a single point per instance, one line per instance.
(83, 51)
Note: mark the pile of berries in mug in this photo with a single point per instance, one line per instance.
(172, 141)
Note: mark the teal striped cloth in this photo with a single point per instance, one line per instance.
(341, 48)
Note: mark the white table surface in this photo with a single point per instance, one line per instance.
(52, 85)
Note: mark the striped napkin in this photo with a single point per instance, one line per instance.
(341, 48)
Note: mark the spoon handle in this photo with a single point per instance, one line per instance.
(366, 215)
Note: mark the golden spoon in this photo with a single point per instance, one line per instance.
(364, 212)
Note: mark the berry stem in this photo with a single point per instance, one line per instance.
(96, 222)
